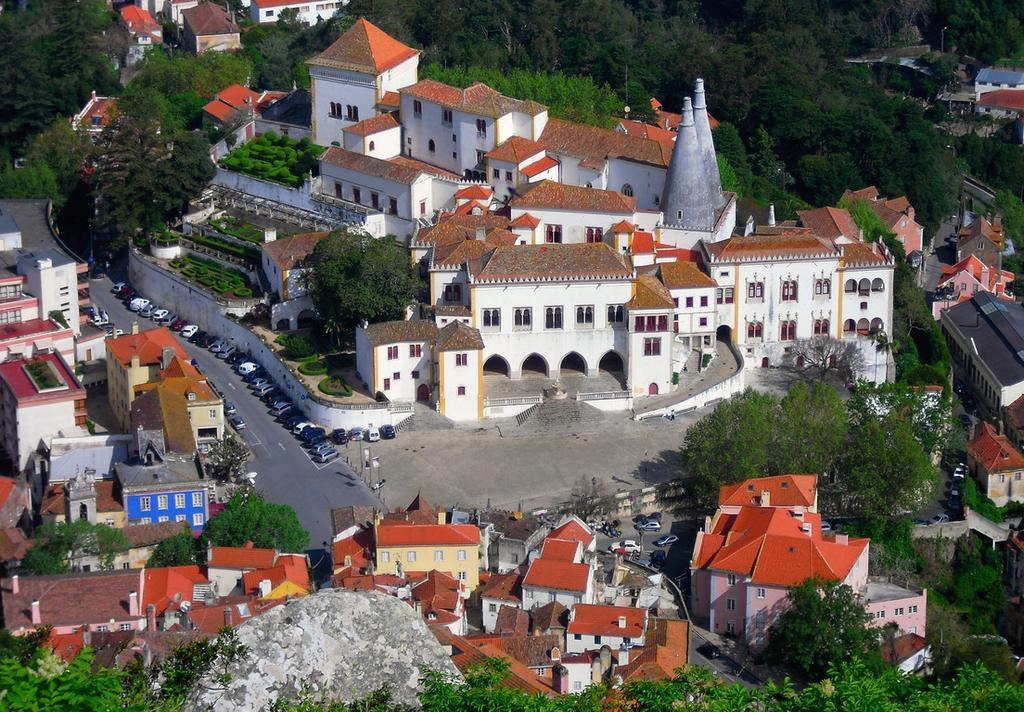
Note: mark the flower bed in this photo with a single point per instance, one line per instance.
(236, 227)
(275, 158)
(226, 246)
(214, 276)
(335, 386)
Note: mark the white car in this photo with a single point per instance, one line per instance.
(159, 314)
(247, 367)
(189, 331)
(300, 427)
(372, 434)
(627, 545)
(138, 304)
(100, 319)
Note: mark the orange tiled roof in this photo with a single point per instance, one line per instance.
(665, 651)
(549, 195)
(590, 619)
(478, 99)
(778, 242)
(390, 99)
(474, 192)
(209, 18)
(683, 275)
(993, 451)
(171, 584)
(241, 557)
(503, 586)
(560, 575)
(238, 96)
(538, 166)
(1003, 99)
(53, 500)
(366, 48)
(594, 145)
(783, 490)
(623, 226)
(287, 252)
(650, 293)
(468, 654)
(439, 593)
(861, 253)
(550, 262)
(559, 549)
(515, 149)
(401, 534)
(573, 530)
(525, 220)
(148, 345)
(373, 125)
(830, 223)
(288, 567)
(137, 19)
(770, 546)
(456, 227)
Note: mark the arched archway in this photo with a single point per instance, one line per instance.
(534, 366)
(283, 325)
(863, 327)
(497, 366)
(423, 393)
(573, 364)
(877, 325)
(764, 362)
(612, 363)
(83, 511)
(652, 390)
(307, 318)
(723, 333)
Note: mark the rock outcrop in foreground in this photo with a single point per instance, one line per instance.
(335, 645)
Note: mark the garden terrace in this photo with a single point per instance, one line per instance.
(224, 246)
(237, 228)
(275, 158)
(44, 376)
(215, 277)
(327, 374)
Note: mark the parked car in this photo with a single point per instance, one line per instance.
(178, 324)
(118, 288)
(167, 320)
(257, 383)
(279, 401)
(667, 540)
(236, 357)
(114, 333)
(254, 375)
(99, 320)
(225, 352)
(217, 345)
(272, 395)
(339, 436)
(197, 336)
(237, 421)
(147, 311)
(127, 294)
(325, 456)
(627, 545)
(189, 330)
(230, 408)
(265, 389)
(137, 304)
(299, 427)
(246, 367)
(710, 651)
(649, 525)
(355, 433)
(658, 558)
(292, 420)
(388, 431)
(159, 315)
(310, 434)
(372, 434)
(280, 410)
(318, 444)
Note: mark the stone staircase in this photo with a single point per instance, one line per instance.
(561, 416)
(425, 419)
(526, 414)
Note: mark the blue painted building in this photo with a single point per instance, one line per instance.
(163, 488)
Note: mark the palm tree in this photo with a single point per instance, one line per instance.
(883, 345)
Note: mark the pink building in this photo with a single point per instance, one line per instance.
(966, 278)
(766, 538)
(898, 215)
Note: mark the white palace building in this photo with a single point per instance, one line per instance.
(603, 260)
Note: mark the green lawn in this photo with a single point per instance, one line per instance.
(275, 158)
(214, 276)
(236, 227)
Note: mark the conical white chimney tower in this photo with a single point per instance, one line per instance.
(707, 145)
(686, 202)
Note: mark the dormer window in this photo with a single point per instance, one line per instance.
(190, 396)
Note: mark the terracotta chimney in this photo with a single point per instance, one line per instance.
(14, 584)
(36, 617)
(248, 545)
(227, 616)
(133, 603)
(151, 618)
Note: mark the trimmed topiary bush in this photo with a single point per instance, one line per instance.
(335, 386)
(313, 368)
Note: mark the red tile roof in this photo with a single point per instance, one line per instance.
(525, 220)
(370, 166)
(830, 223)
(147, 345)
(1003, 99)
(30, 328)
(474, 192)
(456, 227)
(376, 124)
(171, 584)
(71, 599)
(589, 619)
(505, 587)
(665, 651)
(53, 500)
(552, 262)
(783, 490)
(439, 594)
(478, 99)
(560, 575)
(220, 111)
(138, 20)
(993, 451)
(515, 149)
(637, 128)
(683, 275)
(770, 546)
(401, 534)
(650, 293)
(288, 567)
(573, 530)
(560, 549)
(241, 557)
(594, 145)
(209, 619)
(422, 167)
(538, 166)
(366, 48)
(287, 252)
(861, 253)
(238, 96)
(468, 654)
(209, 18)
(549, 195)
(777, 242)
(904, 646)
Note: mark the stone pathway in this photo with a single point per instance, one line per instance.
(724, 365)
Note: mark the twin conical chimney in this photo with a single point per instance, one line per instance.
(707, 145)
(686, 202)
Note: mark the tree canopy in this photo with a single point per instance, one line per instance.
(355, 277)
(248, 516)
(58, 544)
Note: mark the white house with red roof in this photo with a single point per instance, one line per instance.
(353, 78)
(95, 115)
(961, 281)
(226, 566)
(307, 12)
(592, 626)
(143, 30)
(561, 571)
(766, 538)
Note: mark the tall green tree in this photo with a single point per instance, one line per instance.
(57, 545)
(356, 277)
(248, 516)
(179, 550)
(825, 625)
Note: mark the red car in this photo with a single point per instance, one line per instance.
(126, 294)
(179, 325)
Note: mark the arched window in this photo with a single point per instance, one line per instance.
(877, 285)
(627, 190)
(877, 325)
(822, 286)
(371, 145)
(824, 326)
(430, 145)
(83, 511)
(863, 327)
(849, 326)
(864, 288)
(754, 330)
(787, 331)
(851, 286)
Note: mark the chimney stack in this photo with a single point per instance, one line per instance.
(766, 498)
(686, 202)
(227, 615)
(14, 584)
(807, 528)
(166, 356)
(133, 603)
(623, 655)
(36, 617)
(843, 539)
(707, 146)
(151, 618)
(771, 215)
(135, 327)
(265, 588)
(622, 621)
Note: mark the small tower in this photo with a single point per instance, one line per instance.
(686, 202)
(80, 497)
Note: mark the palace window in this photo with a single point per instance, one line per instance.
(755, 329)
(821, 327)
(789, 290)
(392, 353)
(553, 317)
(446, 117)
(823, 287)
(417, 109)
(787, 330)
(481, 128)
(553, 233)
(585, 316)
(755, 290)
(652, 347)
(415, 350)
(492, 318)
(616, 314)
(453, 293)
(461, 359)
(724, 295)
(594, 234)
(523, 318)
(351, 112)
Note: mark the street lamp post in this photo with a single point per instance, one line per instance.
(942, 41)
